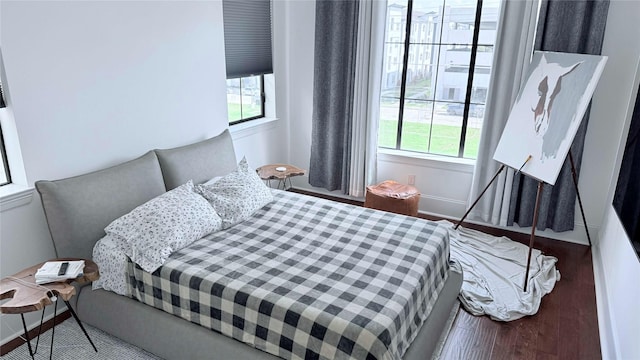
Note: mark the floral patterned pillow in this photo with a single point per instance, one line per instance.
(237, 195)
(112, 262)
(167, 223)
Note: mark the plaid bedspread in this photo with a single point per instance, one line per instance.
(308, 278)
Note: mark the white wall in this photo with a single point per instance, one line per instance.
(299, 36)
(616, 267)
(92, 84)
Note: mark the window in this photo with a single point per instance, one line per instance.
(247, 39)
(435, 104)
(245, 98)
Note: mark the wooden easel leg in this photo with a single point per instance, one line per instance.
(575, 182)
(478, 199)
(533, 233)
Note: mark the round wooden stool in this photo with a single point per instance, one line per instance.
(393, 197)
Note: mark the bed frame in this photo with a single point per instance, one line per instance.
(79, 208)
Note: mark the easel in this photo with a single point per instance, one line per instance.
(535, 213)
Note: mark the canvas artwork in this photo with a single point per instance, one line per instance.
(547, 112)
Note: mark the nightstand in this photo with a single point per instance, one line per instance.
(280, 172)
(27, 296)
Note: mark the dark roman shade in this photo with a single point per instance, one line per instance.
(247, 37)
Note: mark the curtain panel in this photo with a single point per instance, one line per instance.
(366, 104)
(333, 93)
(575, 26)
(512, 54)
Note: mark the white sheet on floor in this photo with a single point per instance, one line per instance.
(494, 270)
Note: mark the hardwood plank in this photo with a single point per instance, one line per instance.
(467, 321)
(505, 344)
(589, 340)
(545, 356)
(526, 338)
(471, 344)
(570, 339)
(548, 333)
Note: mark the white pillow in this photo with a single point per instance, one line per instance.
(108, 254)
(167, 223)
(212, 181)
(237, 195)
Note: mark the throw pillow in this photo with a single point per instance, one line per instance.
(167, 223)
(236, 196)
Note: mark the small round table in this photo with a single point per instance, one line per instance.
(26, 296)
(280, 172)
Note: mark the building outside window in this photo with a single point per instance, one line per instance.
(426, 75)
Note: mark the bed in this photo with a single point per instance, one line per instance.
(302, 277)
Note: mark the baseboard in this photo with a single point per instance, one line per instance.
(605, 320)
(17, 341)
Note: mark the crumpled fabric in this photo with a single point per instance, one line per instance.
(493, 274)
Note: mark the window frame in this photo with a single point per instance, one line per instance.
(469, 87)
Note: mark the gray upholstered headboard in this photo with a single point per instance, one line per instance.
(79, 208)
(199, 162)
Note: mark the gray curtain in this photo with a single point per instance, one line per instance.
(575, 26)
(334, 75)
(511, 55)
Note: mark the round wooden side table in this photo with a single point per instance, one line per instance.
(280, 172)
(26, 296)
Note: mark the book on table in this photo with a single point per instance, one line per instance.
(51, 271)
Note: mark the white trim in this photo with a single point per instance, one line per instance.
(248, 128)
(608, 348)
(422, 159)
(13, 195)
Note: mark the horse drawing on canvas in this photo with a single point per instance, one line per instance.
(549, 87)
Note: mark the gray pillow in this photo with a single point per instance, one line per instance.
(199, 162)
(236, 196)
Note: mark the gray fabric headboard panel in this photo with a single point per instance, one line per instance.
(79, 208)
(199, 162)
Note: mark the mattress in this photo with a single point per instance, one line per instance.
(307, 278)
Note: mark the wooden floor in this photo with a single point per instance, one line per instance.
(565, 327)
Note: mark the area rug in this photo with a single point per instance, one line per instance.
(70, 344)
